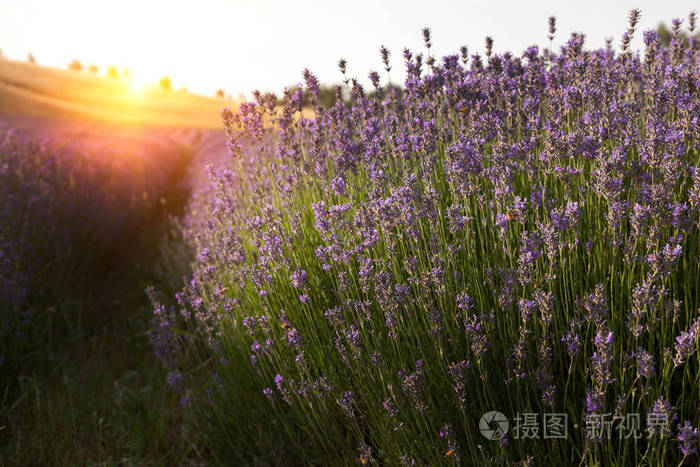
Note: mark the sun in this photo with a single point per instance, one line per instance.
(136, 86)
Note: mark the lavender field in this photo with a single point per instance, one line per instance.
(495, 261)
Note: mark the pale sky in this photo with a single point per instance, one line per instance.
(242, 45)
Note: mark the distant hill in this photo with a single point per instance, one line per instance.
(32, 90)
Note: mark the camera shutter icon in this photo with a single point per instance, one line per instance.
(493, 425)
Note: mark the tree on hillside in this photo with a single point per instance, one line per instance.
(94, 69)
(165, 84)
(75, 65)
(112, 72)
(327, 95)
(220, 93)
(31, 59)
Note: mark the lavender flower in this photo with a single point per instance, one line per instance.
(464, 302)
(572, 341)
(412, 385)
(688, 437)
(299, 278)
(479, 341)
(645, 363)
(659, 417)
(552, 22)
(602, 358)
(594, 305)
(338, 185)
(268, 393)
(346, 403)
(294, 338)
(457, 372)
(686, 343)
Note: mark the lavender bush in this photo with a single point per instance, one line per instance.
(516, 233)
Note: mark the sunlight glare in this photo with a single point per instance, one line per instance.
(136, 86)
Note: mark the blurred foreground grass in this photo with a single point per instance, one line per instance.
(89, 390)
(93, 392)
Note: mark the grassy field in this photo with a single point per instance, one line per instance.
(31, 90)
(88, 388)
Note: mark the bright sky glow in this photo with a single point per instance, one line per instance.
(240, 45)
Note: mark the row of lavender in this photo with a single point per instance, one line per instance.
(505, 233)
(46, 203)
(65, 215)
